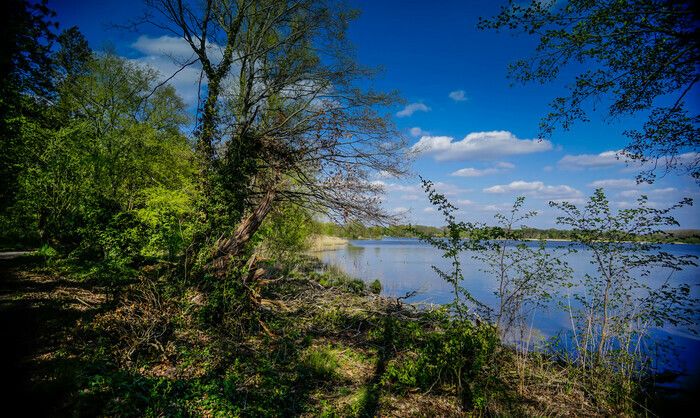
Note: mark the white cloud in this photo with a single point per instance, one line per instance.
(604, 159)
(457, 95)
(625, 204)
(498, 207)
(478, 145)
(412, 108)
(185, 82)
(475, 172)
(400, 210)
(465, 202)
(505, 165)
(449, 189)
(383, 174)
(429, 209)
(410, 197)
(685, 159)
(417, 131)
(654, 192)
(516, 186)
(395, 187)
(614, 183)
(536, 189)
(165, 45)
(167, 55)
(175, 48)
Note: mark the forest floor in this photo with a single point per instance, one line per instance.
(38, 314)
(49, 368)
(317, 346)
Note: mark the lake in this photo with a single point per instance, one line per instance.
(403, 265)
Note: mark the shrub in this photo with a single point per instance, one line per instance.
(285, 232)
(166, 216)
(455, 352)
(375, 287)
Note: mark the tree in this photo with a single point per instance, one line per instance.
(643, 55)
(26, 36)
(616, 306)
(115, 136)
(283, 118)
(459, 237)
(526, 274)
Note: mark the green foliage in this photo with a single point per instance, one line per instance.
(46, 251)
(360, 403)
(334, 277)
(229, 303)
(526, 275)
(357, 230)
(634, 54)
(615, 307)
(26, 84)
(321, 363)
(459, 236)
(375, 287)
(167, 218)
(284, 233)
(111, 177)
(453, 352)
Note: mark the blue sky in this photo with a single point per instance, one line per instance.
(476, 133)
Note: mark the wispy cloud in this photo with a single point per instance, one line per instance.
(536, 189)
(478, 145)
(449, 189)
(654, 192)
(412, 108)
(614, 183)
(476, 172)
(497, 207)
(396, 187)
(401, 210)
(174, 47)
(604, 159)
(458, 96)
(410, 197)
(168, 55)
(417, 131)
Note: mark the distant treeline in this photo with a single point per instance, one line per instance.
(360, 231)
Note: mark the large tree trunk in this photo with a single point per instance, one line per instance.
(232, 246)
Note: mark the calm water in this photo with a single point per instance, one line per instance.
(404, 265)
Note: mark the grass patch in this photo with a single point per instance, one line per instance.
(321, 363)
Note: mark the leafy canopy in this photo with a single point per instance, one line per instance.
(641, 56)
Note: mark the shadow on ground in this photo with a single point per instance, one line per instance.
(37, 315)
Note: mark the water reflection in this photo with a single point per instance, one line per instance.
(404, 265)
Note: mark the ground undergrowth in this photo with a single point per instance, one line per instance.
(303, 342)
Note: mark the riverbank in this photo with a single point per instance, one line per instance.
(319, 243)
(357, 231)
(311, 343)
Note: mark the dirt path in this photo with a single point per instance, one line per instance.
(38, 313)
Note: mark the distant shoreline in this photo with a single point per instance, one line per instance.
(319, 243)
(522, 239)
(358, 231)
